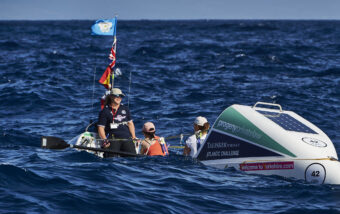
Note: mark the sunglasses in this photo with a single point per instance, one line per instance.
(116, 96)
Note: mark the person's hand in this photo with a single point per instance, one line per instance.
(105, 144)
(136, 141)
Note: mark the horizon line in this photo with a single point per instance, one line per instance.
(238, 19)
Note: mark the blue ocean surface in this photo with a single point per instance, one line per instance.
(172, 71)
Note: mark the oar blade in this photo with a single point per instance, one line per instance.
(49, 142)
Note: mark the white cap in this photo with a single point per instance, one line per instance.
(200, 121)
(117, 92)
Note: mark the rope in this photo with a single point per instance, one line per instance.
(176, 147)
(166, 138)
(176, 136)
(129, 90)
(94, 76)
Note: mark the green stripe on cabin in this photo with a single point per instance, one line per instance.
(233, 122)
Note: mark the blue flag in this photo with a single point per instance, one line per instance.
(105, 27)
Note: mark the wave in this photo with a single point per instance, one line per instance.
(16, 138)
(10, 45)
(20, 178)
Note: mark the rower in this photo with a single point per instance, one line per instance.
(115, 122)
(193, 143)
(153, 145)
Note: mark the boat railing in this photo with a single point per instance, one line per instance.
(268, 104)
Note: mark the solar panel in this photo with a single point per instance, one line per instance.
(287, 122)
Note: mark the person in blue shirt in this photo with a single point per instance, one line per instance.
(115, 122)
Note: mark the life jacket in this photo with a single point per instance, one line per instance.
(157, 147)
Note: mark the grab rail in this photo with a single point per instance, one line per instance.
(91, 123)
(269, 104)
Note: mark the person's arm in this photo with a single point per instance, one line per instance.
(101, 129)
(102, 120)
(186, 150)
(101, 132)
(131, 126)
(188, 145)
(145, 147)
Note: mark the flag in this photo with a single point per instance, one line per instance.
(105, 79)
(112, 55)
(105, 27)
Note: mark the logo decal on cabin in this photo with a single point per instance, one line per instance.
(314, 142)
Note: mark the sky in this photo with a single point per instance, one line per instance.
(168, 9)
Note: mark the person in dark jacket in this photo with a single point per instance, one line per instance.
(115, 122)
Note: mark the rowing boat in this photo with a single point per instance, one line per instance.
(264, 139)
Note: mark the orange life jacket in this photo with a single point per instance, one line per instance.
(158, 147)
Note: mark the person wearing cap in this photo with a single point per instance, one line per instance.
(115, 122)
(193, 143)
(153, 145)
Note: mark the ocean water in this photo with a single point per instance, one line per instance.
(172, 71)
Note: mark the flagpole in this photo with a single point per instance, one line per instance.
(115, 50)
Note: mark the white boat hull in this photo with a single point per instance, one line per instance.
(270, 142)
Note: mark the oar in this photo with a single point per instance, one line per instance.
(176, 136)
(49, 142)
(176, 147)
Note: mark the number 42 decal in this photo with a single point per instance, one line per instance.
(316, 173)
